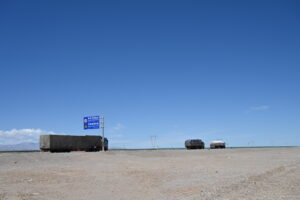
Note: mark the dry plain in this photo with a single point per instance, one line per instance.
(246, 174)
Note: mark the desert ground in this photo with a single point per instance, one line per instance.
(235, 174)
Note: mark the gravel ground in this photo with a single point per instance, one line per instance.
(245, 174)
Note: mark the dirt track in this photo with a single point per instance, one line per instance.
(246, 174)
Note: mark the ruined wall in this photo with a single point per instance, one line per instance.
(65, 143)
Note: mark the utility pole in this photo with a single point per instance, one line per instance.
(102, 128)
(153, 141)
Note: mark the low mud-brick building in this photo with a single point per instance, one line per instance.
(67, 143)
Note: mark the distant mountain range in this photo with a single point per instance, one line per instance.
(20, 147)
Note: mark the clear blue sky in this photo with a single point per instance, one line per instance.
(175, 69)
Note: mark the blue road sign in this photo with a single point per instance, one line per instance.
(91, 122)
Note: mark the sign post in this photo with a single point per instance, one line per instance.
(91, 122)
(102, 127)
(95, 122)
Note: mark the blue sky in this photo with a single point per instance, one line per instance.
(175, 69)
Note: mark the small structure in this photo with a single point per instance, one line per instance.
(218, 144)
(194, 144)
(67, 143)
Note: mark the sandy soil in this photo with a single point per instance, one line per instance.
(246, 174)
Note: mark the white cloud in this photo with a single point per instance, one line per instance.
(16, 136)
(114, 132)
(118, 127)
(258, 108)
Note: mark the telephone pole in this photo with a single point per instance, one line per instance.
(102, 128)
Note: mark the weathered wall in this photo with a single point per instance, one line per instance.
(219, 145)
(57, 143)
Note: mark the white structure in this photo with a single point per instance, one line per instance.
(217, 144)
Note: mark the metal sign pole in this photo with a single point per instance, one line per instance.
(102, 127)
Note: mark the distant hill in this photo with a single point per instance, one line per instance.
(20, 147)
